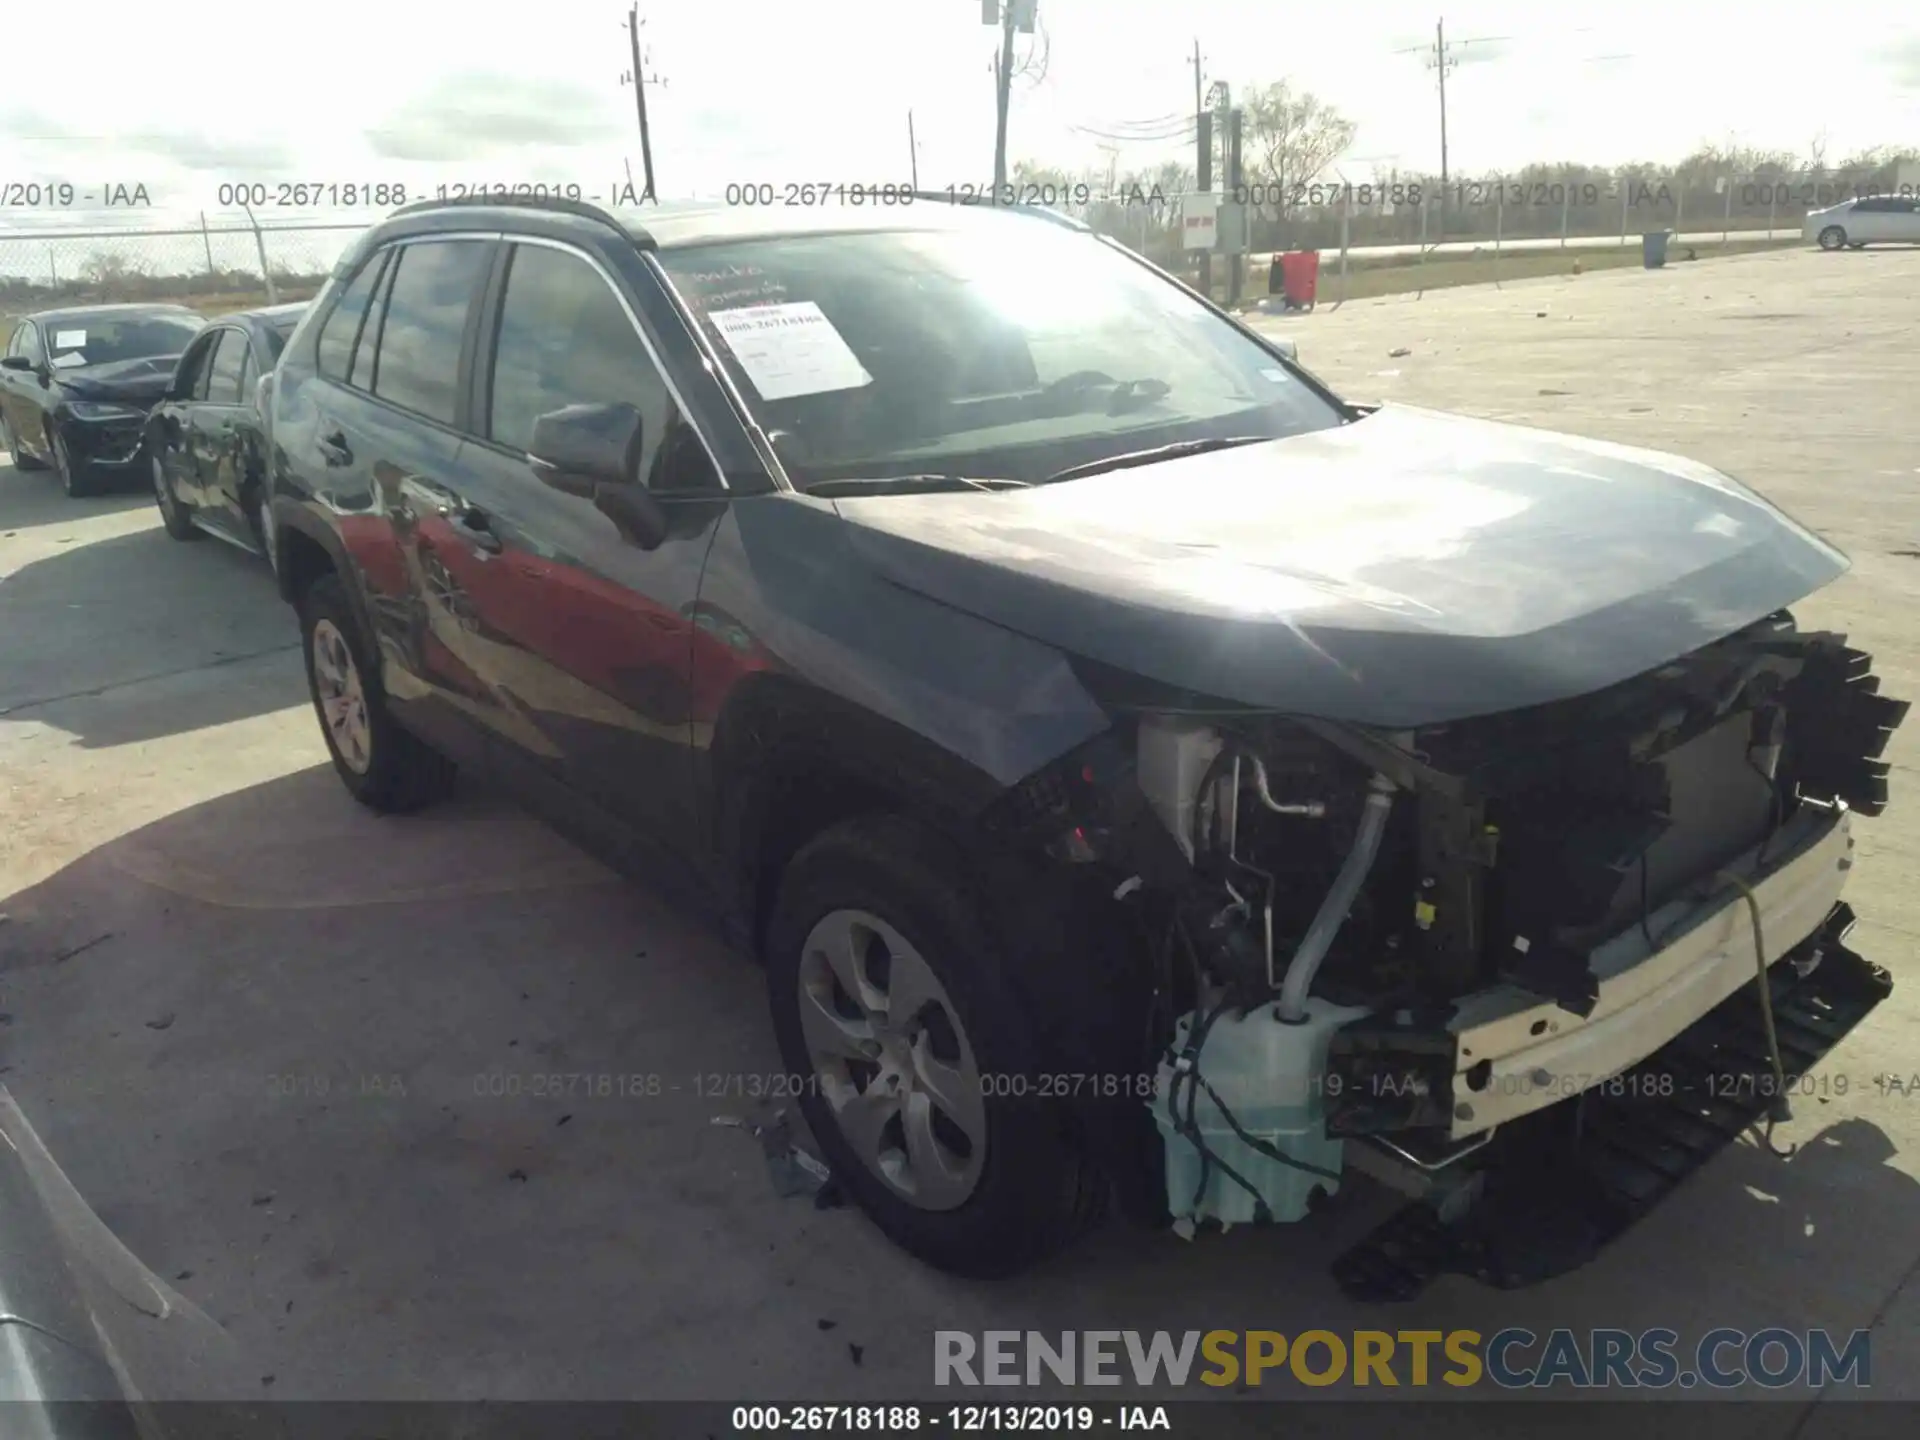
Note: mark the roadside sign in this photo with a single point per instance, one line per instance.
(1199, 220)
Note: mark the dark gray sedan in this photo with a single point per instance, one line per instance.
(206, 441)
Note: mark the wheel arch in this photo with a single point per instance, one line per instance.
(306, 548)
(789, 760)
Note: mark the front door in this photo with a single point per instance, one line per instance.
(25, 394)
(584, 637)
(210, 439)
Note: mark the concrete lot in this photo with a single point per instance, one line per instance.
(257, 1025)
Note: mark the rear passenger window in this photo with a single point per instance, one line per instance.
(427, 304)
(334, 353)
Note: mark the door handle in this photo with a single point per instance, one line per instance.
(335, 448)
(475, 530)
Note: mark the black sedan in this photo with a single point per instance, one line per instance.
(206, 444)
(76, 386)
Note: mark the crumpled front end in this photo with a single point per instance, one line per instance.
(1419, 953)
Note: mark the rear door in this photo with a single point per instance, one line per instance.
(396, 426)
(585, 637)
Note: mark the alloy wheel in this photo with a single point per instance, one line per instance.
(343, 699)
(891, 1059)
(1832, 238)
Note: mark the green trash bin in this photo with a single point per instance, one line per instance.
(1653, 248)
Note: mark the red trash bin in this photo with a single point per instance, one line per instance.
(1300, 278)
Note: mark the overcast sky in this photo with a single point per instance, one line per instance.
(198, 92)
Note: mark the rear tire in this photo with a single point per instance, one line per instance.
(1833, 238)
(385, 767)
(1020, 1192)
(260, 516)
(173, 514)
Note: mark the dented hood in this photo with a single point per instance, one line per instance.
(1410, 568)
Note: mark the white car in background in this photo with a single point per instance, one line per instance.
(1865, 221)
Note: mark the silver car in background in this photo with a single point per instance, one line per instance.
(1868, 220)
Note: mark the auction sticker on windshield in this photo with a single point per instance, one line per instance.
(69, 339)
(68, 361)
(790, 350)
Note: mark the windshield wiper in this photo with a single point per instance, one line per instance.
(897, 484)
(1175, 451)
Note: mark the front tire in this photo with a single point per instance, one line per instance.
(1833, 238)
(889, 1003)
(78, 484)
(21, 460)
(175, 516)
(385, 767)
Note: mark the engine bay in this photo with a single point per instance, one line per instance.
(1325, 897)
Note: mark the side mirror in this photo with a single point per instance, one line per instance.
(582, 447)
(16, 362)
(593, 452)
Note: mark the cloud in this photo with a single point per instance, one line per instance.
(466, 117)
(191, 151)
(1903, 58)
(187, 149)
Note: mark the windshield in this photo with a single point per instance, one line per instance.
(98, 340)
(1011, 355)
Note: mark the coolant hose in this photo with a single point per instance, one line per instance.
(1333, 910)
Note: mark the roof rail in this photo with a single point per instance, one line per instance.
(512, 200)
(1042, 212)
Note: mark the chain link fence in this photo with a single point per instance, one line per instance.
(213, 268)
(1397, 220)
(1403, 220)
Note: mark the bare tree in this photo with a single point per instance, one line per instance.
(103, 267)
(1817, 154)
(1288, 140)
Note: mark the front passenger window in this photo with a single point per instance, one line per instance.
(565, 339)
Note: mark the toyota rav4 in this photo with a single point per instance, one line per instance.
(1144, 774)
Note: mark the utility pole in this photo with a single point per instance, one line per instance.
(1441, 63)
(913, 149)
(634, 23)
(1203, 160)
(1198, 82)
(1003, 87)
(1236, 273)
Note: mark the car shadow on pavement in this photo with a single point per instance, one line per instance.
(30, 498)
(134, 637)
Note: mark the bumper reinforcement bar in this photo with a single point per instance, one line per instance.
(1566, 1181)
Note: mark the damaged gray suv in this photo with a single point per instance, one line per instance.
(1146, 776)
